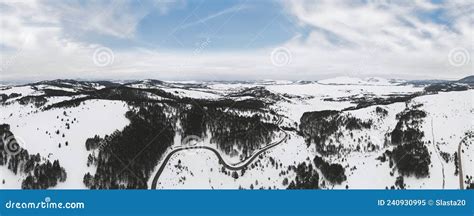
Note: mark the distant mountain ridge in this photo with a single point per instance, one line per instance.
(468, 79)
(345, 80)
(340, 80)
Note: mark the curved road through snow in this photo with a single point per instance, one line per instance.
(436, 148)
(237, 166)
(461, 175)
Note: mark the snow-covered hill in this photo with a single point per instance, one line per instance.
(356, 81)
(342, 132)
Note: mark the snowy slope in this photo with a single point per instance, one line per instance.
(450, 116)
(38, 131)
(314, 95)
(200, 168)
(451, 108)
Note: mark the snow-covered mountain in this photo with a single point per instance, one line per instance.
(356, 81)
(335, 133)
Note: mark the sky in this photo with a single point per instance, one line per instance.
(235, 39)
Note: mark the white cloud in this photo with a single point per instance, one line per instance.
(382, 37)
(117, 18)
(230, 10)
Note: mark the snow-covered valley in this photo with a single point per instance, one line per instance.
(340, 133)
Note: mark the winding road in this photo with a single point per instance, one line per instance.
(460, 151)
(436, 147)
(238, 166)
(461, 176)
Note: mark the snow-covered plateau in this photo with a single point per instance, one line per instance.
(338, 133)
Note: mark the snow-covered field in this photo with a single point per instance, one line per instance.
(449, 118)
(314, 96)
(38, 133)
(452, 108)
